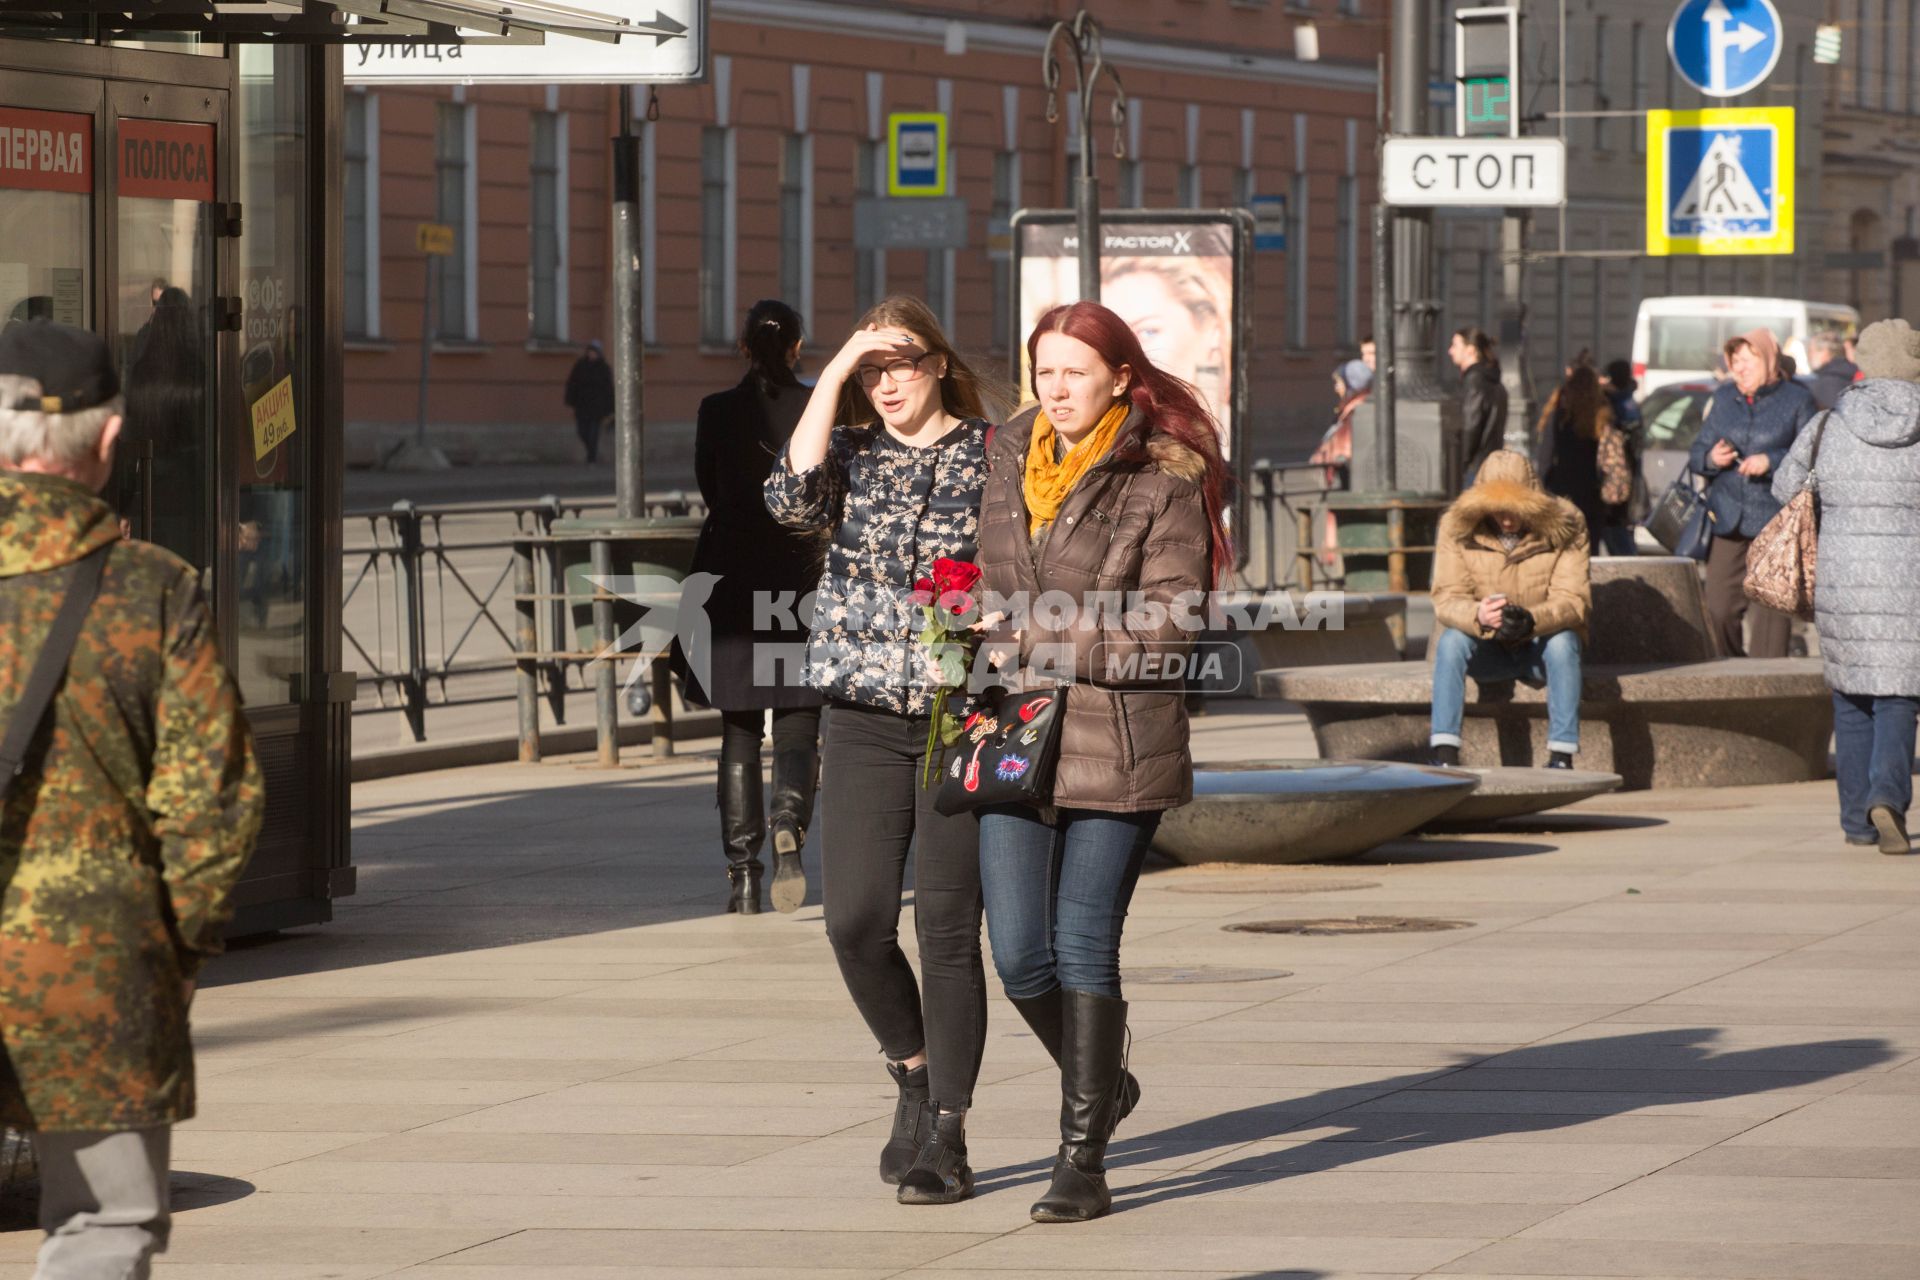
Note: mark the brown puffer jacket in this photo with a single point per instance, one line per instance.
(1546, 572)
(1135, 525)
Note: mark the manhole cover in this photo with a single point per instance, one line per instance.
(1202, 974)
(1339, 926)
(1276, 886)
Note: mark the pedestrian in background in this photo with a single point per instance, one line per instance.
(590, 395)
(1833, 370)
(753, 665)
(1617, 519)
(1114, 484)
(1352, 386)
(1865, 456)
(1573, 424)
(888, 460)
(135, 808)
(1483, 399)
(1751, 422)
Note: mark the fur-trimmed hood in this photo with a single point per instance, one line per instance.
(1507, 485)
(1135, 446)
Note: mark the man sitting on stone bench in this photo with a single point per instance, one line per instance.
(1511, 599)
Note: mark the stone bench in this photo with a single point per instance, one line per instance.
(1722, 722)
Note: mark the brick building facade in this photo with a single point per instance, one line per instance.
(750, 181)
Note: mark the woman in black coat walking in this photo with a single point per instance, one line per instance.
(737, 440)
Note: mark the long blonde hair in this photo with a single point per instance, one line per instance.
(964, 391)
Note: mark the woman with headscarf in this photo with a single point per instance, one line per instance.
(1752, 420)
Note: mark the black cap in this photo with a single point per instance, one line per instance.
(72, 366)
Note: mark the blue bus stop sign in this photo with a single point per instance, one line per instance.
(1725, 48)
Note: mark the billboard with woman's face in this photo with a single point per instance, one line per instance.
(1175, 276)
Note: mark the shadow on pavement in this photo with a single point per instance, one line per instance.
(1609, 1076)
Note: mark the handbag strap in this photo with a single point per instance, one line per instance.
(83, 584)
(1819, 428)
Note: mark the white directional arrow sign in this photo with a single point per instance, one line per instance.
(667, 45)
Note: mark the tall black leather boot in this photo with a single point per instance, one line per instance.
(1042, 1015)
(903, 1144)
(940, 1174)
(1094, 1032)
(796, 776)
(743, 826)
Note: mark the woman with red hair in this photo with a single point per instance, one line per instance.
(1103, 509)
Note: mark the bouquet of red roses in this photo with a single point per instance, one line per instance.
(949, 611)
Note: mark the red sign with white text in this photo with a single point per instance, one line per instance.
(46, 151)
(164, 160)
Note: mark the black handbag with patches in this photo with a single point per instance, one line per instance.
(1005, 756)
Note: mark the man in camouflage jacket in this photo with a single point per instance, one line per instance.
(135, 810)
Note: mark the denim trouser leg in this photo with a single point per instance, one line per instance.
(1873, 740)
(1559, 655)
(1554, 660)
(1056, 898)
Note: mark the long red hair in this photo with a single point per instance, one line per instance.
(1170, 406)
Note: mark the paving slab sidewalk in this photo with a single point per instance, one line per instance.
(1677, 1038)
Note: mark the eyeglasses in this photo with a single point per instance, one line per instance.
(901, 369)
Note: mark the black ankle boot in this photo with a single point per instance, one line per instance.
(742, 827)
(796, 775)
(1094, 1034)
(940, 1174)
(1042, 1015)
(1445, 756)
(903, 1145)
(1560, 760)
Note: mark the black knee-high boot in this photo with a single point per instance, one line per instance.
(1042, 1015)
(1094, 1031)
(743, 826)
(796, 776)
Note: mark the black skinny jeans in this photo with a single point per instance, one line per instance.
(794, 729)
(874, 806)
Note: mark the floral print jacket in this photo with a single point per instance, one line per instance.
(893, 510)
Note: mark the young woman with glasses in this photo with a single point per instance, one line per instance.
(888, 457)
(1109, 491)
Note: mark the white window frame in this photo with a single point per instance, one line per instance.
(467, 246)
(563, 223)
(370, 211)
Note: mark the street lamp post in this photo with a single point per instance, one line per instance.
(1082, 39)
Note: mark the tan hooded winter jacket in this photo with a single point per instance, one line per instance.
(1546, 573)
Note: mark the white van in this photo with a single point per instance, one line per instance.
(1680, 339)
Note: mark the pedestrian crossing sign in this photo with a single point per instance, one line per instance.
(1720, 181)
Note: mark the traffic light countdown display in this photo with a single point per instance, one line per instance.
(1486, 71)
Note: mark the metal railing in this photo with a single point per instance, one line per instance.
(429, 618)
(1283, 497)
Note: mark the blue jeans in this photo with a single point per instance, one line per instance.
(1617, 540)
(1554, 661)
(1872, 756)
(1056, 897)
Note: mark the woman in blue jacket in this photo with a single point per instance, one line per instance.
(1751, 423)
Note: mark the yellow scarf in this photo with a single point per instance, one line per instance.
(1049, 478)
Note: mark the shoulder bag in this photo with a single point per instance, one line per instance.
(1680, 521)
(1616, 475)
(83, 584)
(1005, 756)
(1785, 555)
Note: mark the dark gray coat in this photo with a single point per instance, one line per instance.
(1867, 591)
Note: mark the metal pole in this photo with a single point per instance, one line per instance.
(526, 636)
(629, 416)
(1513, 329)
(1082, 38)
(1416, 308)
(426, 352)
(1385, 354)
(606, 700)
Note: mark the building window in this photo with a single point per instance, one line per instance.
(1243, 188)
(1006, 199)
(361, 200)
(452, 173)
(796, 224)
(716, 235)
(1601, 100)
(1190, 186)
(870, 266)
(1347, 239)
(1638, 56)
(1861, 47)
(1132, 180)
(548, 221)
(1297, 221)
